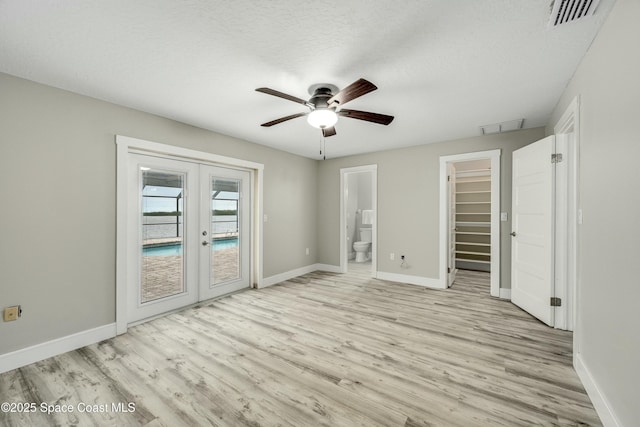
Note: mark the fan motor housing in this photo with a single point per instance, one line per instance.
(321, 93)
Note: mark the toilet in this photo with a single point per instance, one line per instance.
(363, 247)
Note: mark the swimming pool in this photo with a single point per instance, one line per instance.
(176, 248)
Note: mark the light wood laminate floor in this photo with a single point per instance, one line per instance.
(320, 350)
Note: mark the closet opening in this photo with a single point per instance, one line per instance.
(470, 218)
(472, 181)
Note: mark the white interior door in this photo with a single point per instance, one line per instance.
(224, 231)
(451, 268)
(162, 245)
(532, 244)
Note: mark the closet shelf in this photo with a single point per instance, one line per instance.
(464, 180)
(473, 260)
(486, 170)
(473, 195)
(473, 253)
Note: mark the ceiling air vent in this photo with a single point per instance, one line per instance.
(502, 127)
(564, 11)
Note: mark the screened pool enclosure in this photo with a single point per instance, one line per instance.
(162, 205)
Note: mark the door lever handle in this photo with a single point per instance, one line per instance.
(513, 233)
(205, 243)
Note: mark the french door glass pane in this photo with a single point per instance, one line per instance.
(225, 230)
(162, 272)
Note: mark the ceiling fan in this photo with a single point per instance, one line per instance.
(325, 105)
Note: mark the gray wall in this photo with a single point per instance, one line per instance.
(608, 315)
(408, 201)
(58, 191)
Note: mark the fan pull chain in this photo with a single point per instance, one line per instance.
(323, 148)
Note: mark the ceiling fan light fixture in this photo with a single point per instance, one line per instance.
(322, 118)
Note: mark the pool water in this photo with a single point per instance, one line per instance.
(176, 249)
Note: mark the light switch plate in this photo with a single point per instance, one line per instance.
(504, 216)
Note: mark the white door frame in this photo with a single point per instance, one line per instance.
(568, 213)
(126, 145)
(344, 252)
(494, 157)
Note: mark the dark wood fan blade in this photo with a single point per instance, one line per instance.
(381, 119)
(281, 95)
(327, 132)
(283, 119)
(353, 91)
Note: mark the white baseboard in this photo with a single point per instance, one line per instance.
(26, 356)
(272, 280)
(411, 280)
(328, 267)
(505, 293)
(598, 399)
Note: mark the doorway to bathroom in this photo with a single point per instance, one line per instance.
(358, 222)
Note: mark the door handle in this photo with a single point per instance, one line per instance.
(513, 233)
(205, 243)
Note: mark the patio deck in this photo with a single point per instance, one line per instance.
(163, 274)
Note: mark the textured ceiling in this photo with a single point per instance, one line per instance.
(442, 67)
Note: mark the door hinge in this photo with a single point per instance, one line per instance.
(448, 177)
(556, 158)
(556, 302)
(449, 270)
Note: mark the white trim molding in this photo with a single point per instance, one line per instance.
(598, 399)
(287, 275)
(505, 293)
(35, 353)
(567, 131)
(427, 282)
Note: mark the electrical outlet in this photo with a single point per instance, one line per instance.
(392, 256)
(307, 251)
(11, 313)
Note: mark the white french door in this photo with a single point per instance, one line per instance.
(224, 231)
(532, 244)
(191, 236)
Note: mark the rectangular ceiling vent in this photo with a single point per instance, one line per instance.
(565, 11)
(502, 127)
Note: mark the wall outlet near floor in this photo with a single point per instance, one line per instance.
(12, 313)
(307, 251)
(392, 256)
